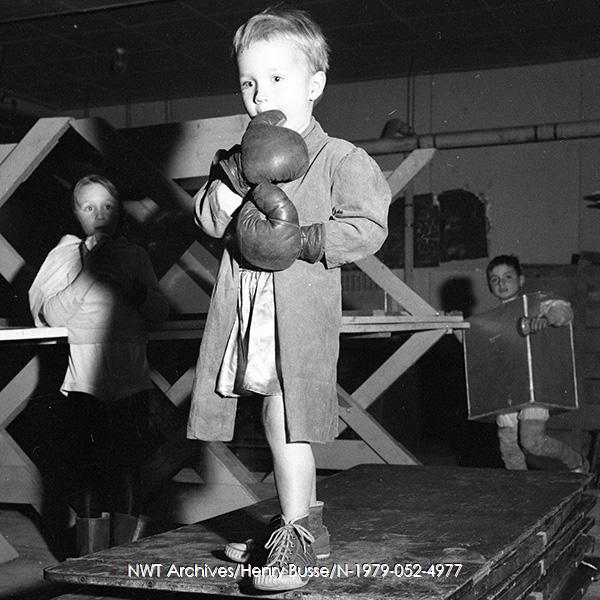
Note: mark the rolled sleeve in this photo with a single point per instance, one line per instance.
(360, 198)
(557, 311)
(208, 213)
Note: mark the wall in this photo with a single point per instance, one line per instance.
(533, 191)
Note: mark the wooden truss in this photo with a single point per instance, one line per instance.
(195, 145)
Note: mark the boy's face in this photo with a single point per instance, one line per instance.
(505, 283)
(274, 74)
(96, 210)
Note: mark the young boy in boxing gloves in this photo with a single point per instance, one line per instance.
(526, 429)
(293, 205)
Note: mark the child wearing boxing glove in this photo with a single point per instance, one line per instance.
(526, 429)
(275, 315)
(103, 289)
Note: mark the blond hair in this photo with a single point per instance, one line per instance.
(290, 24)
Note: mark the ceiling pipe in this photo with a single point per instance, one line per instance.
(551, 132)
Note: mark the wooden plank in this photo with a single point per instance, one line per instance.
(21, 480)
(178, 392)
(177, 282)
(5, 150)
(554, 585)
(186, 149)
(200, 264)
(12, 262)
(217, 464)
(532, 558)
(340, 455)
(391, 515)
(395, 287)
(166, 462)
(388, 319)
(371, 432)
(29, 153)
(16, 393)
(408, 169)
(33, 334)
(398, 363)
(193, 329)
(132, 163)
(7, 552)
(181, 390)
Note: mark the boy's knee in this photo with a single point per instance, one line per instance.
(508, 434)
(533, 435)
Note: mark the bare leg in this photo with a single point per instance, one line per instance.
(293, 463)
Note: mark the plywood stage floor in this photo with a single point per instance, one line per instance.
(406, 532)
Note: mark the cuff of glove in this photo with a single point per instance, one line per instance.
(313, 242)
(231, 165)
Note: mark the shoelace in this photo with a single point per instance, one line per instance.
(282, 542)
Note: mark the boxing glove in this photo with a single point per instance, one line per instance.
(268, 233)
(272, 153)
(312, 242)
(230, 162)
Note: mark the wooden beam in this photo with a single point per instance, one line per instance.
(200, 264)
(408, 169)
(21, 480)
(12, 262)
(128, 160)
(166, 462)
(344, 454)
(29, 153)
(178, 392)
(372, 433)
(217, 463)
(14, 396)
(5, 150)
(400, 361)
(395, 287)
(186, 150)
(7, 552)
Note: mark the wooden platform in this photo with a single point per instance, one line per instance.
(397, 532)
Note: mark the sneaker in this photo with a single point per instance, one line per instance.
(291, 554)
(240, 552)
(583, 468)
(319, 531)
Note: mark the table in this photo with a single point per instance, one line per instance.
(20, 480)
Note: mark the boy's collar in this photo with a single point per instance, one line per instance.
(308, 129)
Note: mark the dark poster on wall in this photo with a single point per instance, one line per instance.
(450, 226)
(463, 226)
(426, 233)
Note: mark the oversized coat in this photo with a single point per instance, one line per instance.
(344, 189)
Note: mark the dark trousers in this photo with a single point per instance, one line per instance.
(109, 442)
